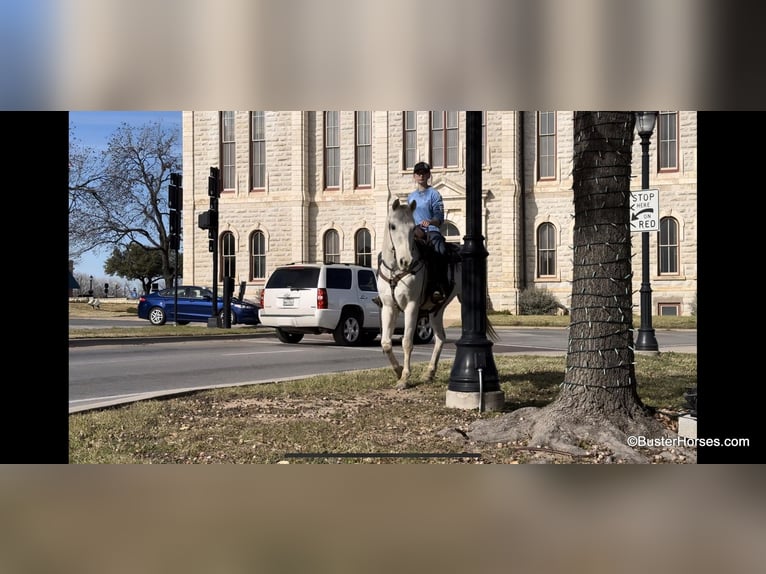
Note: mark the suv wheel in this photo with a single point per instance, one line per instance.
(423, 331)
(287, 337)
(349, 330)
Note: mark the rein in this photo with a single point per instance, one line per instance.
(395, 277)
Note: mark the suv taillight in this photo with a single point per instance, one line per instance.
(321, 298)
(262, 292)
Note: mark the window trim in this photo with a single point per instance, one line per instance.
(551, 252)
(409, 164)
(256, 257)
(326, 255)
(363, 258)
(226, 257)
(228, 169)
(553, 135)
(358, 147)
(326, 148)
(665, 247)
(261, 143)
(446, 130)
(663, 144)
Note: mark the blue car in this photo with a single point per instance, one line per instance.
(194, 304)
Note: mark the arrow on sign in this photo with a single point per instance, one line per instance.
(648, 210)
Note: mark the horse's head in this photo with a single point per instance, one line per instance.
(401, 231)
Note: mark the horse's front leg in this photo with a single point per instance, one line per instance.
(387, 323)
(437, 324)
(410, 321)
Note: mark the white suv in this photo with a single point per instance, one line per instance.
(332, 298)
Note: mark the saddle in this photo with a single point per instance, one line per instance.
(440, 270)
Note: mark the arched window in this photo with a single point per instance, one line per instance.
(257, 255)
(668, 246)
(450, 232)
(228, 255)
(331, 245)
(546, 250)
(363, 248)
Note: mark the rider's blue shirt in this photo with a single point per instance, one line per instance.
(429, 205)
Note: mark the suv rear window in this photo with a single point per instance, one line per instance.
(294, 277)
(338, 278)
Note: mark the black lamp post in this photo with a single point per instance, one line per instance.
(646, 341)
(474, 380)
(90, 289)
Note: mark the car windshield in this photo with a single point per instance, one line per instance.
(294, 277)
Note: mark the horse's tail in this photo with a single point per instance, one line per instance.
(491, 331)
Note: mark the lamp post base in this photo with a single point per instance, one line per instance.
(489, 401)
(646, 342)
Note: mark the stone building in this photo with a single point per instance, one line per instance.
(315, 185)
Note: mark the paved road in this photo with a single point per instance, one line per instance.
(121, 372)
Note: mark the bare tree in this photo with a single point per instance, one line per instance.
(120, 197)
(598, 403)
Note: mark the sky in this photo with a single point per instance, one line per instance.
(93, 129)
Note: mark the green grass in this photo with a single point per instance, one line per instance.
(356, 412)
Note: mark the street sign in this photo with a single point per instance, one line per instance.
(645, 210)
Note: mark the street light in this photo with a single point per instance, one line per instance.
(646, 341)
(90, 292)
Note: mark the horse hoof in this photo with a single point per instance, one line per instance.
(401, 385)
(398, 371)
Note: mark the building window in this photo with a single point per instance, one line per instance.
(669, 309)
(410, 139)
(228, 150)
(331, 244)
(668, 141)
(546, 250)
(228, 255)
(331, 149)
(257, 150)
(546, 145)
(444, 150)
(668, 246)
(257, 255)
(363, 149)
(363, 247)
(450, 232)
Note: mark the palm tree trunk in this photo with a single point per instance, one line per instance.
(600, 376)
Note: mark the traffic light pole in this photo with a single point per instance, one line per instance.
(175, 203)
(214, 191)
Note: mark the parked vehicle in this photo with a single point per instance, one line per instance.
(334, 298)
(194, 304)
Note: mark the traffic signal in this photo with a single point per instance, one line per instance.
(175, 222)
(214, 182)
(208, 220)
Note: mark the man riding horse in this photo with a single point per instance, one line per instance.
(429, 215)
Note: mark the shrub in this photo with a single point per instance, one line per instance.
(537, 301)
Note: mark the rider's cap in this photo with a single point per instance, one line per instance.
(421, 167)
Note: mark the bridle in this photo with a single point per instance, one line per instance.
(396, 274)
